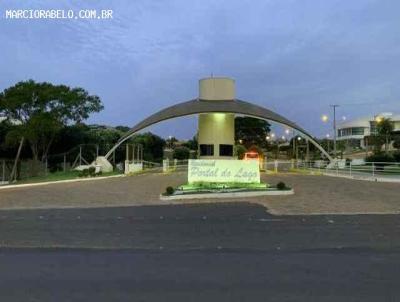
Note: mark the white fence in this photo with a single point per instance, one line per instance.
(353, 169)
(133, 166)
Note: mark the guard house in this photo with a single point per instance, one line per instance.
(216, 131)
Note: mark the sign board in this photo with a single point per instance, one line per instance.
(223, 170)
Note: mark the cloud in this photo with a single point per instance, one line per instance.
(293, 57)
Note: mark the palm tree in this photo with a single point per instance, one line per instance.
(385, 128)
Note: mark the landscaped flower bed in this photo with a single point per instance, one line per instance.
(204, 188)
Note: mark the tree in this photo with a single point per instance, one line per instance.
(192, 144)
(42, 109)
(8, 150)
(251, 131)
(396, 143)
(123, 128)
(376, 141)
(171, 142)
(40, 131)
(105, 136)
(181, 153)
(239, 151)
(384, 128)
(153, 146)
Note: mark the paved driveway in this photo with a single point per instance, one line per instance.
(208, 252)
(313, 194)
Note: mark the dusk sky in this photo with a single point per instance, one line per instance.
(293, 57)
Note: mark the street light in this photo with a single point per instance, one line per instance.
(297, 147)
(334, 106)
(287, 131)
(324, 118)
(170, 141)
(327, 137)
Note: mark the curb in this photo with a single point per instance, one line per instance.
(45, 183)
(227, 195)
(364, 178)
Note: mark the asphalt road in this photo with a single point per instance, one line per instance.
(208, 252)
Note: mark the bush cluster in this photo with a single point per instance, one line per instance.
(383, 157)
(169, 190)
(281, 185)
(89, 172)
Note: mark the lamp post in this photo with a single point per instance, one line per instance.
(170, 141)
(334, 128)
(297, 148)
(294, 143)
(327, 139)
(325, 119)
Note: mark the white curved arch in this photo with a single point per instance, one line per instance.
(199, 106)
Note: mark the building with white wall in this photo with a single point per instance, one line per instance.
(355, 131)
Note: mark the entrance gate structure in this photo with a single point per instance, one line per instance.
(202, 105)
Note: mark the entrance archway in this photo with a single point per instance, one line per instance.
(197, 106)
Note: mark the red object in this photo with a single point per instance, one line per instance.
(251, 155)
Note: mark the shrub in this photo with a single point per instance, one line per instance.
(396, 142)
(380, 157)
(92, 171)
(396, 156)
(53, 169)
(380, 160)
(99, 173)
(84, 173)
(281, 185)
(239, 151)
(169, 190)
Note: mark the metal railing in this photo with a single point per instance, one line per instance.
(354, 169)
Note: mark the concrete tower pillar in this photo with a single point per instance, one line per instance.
(216, 131)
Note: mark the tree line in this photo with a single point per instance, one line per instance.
(44, 119)
(50, 119)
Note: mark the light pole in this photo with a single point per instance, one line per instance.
(294, 144)
(334, 128)
(297, 148)
(170, 141)
(327, 139)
